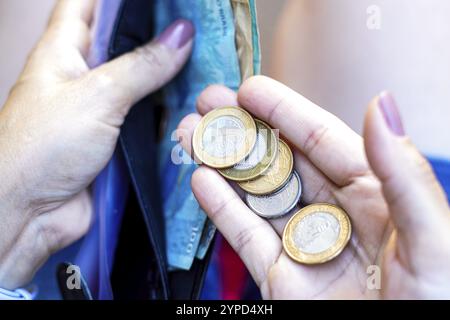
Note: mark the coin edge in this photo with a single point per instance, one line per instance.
(297, 199)
(283, 181)
(197, 136)
(321, 257)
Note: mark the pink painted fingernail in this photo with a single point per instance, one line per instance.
(177, 34)
(388, 107)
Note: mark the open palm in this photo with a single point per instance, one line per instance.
(332, 163)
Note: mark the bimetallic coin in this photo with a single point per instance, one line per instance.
(276, 176)
(279, 203)
(224, 137)
(317, 233)
(259, 159)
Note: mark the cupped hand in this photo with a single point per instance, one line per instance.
(400, 216)
(59, 128)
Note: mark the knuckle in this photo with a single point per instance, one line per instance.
(150, 55)
(320, 194)
(315, 138)
(46, 234)
(18, 87)
(103, 83)
(424, 168)
(419, 164)
(274, 109)
(243, 239)
(101, 80)
(223, 207)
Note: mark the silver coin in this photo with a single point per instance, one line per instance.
(256, 156)
(316, 232)
(224, 136)
(279, 203)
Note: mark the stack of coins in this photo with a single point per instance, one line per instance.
(249, 152)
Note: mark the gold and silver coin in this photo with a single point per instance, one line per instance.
(259, 159)
(279, 203)
(224, 137)
(276, 176)
(317, 233)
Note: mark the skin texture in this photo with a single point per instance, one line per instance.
(59, 128)
(60, 125)
(399, 213)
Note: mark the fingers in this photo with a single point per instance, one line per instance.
(317, 133)
(417, 204)
(213, 97)
(185, 131)
(127, 79)
(316, 186)
(60, 53)
(70, 21)
(216, 96)
(251, 237)
(66, 10)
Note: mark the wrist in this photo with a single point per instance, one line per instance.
(22, 257)
(14, 220)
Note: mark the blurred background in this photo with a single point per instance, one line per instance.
(339, 54)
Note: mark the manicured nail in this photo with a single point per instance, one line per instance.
(390, 113)
(177, 34)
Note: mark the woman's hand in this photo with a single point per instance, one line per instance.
(59, 128)
(399, 213)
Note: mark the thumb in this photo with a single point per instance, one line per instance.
(416, 201)
(130, 77)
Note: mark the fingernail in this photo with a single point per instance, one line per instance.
(177, 34)
(388, 107)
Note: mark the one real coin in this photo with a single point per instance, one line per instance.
(317, 233)
(224, 137)
(276, 176)
(279, 203)
(259, 159)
